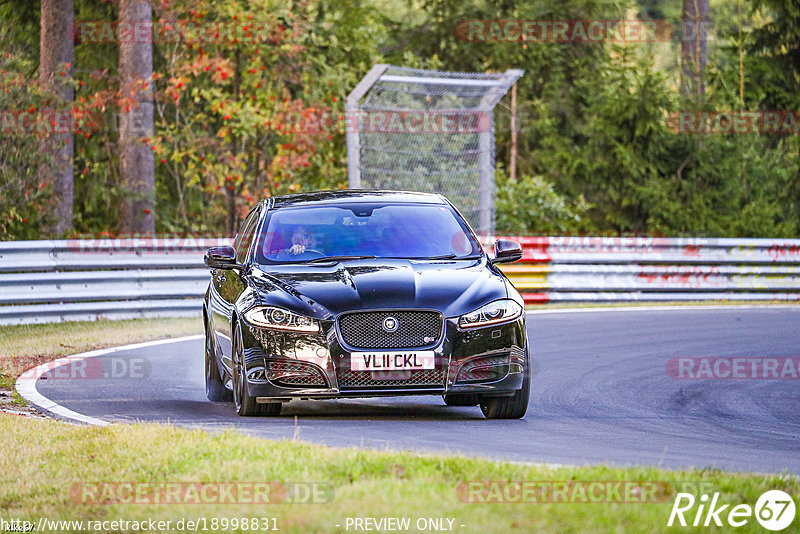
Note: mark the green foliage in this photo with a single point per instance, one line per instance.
(593, 120)
(529, 205)
(778, 42)
(237, 121)
(728, 185)
(24, 202)
(614, 143)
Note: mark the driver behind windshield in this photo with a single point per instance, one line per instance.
(302, 240)
(390, 231)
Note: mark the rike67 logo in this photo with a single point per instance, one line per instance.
(774, 510)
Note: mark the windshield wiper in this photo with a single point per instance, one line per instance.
(451, 257)
(328, 259)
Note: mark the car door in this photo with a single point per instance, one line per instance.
(227, 285)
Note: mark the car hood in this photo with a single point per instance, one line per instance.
(325, 290)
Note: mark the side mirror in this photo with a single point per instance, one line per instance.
(223, 257)
(506, 251)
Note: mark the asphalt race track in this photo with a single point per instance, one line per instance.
(601, 393)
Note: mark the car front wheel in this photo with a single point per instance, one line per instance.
(246, 406)
(513, 407)
(215, 388)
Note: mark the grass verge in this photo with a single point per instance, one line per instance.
(44, 460)
(46, 467)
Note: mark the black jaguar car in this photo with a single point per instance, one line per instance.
(360, 294)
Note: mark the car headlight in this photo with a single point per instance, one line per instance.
(499, 311)
(280, 319)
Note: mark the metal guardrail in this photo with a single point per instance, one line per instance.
(87, 279)
(50, 281)
(579, 269)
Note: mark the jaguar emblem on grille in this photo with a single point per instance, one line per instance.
(390, 325)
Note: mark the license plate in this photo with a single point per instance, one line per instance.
(392, 360)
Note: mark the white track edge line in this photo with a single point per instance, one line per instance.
(26, 383)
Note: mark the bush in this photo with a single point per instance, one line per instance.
(530, 205)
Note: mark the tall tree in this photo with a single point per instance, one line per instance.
(779, 41)
(780, 38)
(694, 46)
(56, 57)
(137, 164)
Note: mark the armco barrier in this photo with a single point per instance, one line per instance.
(87, 279)
(573, 269)
(48, 281)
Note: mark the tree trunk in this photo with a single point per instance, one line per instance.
(512, 163)
(137, 163)
(693, 47)
(56, 56)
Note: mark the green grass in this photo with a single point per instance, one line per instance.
(41, 460)
(18, 400)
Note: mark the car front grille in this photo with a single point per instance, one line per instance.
(410, 379)
(416, 329)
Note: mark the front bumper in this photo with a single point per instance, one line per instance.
(281, 366)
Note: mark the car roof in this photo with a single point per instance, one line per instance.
(354, 195)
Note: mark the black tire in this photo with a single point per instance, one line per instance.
(462, 399)
(513, 407)
(245, 405)
(215, 388)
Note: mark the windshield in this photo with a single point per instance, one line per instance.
(423, 231)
